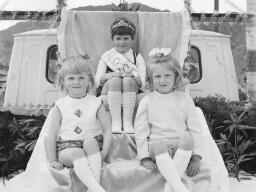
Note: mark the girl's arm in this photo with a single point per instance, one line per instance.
(50, 139)
(194, 126)
(142, 129)
(101, 70)
(105, 122)
(142, 70)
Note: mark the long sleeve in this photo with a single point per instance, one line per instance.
(142, 129)
(101, 69)
(141, 69)
(194, 126)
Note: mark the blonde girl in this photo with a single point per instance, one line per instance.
(162, 119)
(80, 127)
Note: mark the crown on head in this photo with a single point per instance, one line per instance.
(122, 23)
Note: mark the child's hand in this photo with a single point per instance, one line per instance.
(112, 74)
(130, 74)
(149, 164)
(56, 165)
(194, 166)
(126, 75)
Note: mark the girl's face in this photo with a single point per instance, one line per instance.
(163, 79)
(76, 84)
(122, 43)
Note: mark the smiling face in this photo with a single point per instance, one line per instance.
(122, 43)
(76, 84)
(163, 78)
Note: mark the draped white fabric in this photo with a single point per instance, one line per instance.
(88, 32)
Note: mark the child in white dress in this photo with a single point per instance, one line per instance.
(121, 73)
(76, 129)
(162, 118)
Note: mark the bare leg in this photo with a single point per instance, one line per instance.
(104, 95)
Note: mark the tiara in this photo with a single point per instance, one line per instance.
(122, 23)
(162, 51)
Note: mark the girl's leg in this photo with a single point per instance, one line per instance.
(183, 154)
(181, 160)
(129, 101)
(167, 167)
(92, 150)
(75, 157)
(114, 103)
(104, 95)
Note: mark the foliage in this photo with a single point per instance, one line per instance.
(233, 126)
(18, 135)
(242, 95)
(124, 6)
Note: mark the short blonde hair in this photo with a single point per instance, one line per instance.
(171, 63)
(77, 64)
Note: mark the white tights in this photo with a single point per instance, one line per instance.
(87, 173)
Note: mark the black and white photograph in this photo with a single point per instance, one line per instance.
(127, 95)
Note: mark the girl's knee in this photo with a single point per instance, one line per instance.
(129, 84)
(156, 149)
(186, 142)
(160, 150)
(91, 146)
(129, 81)
(67, 156)
(115, 83)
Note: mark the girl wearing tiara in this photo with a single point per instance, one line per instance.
(162, 118)
(121, 73)
(76, 137)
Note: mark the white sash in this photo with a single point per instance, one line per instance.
(119, 63)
